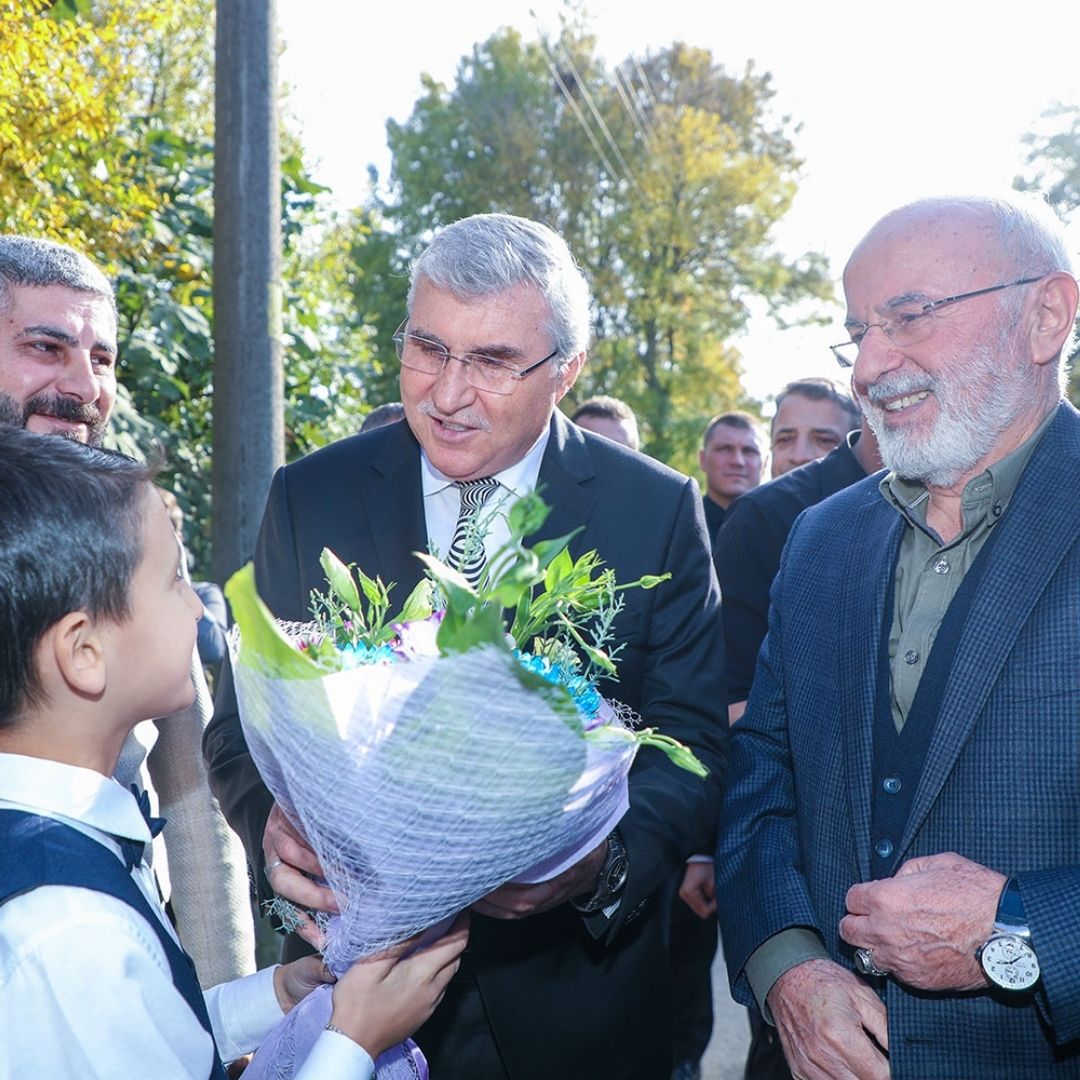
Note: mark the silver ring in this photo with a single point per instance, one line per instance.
(864, 963)
(268, 870)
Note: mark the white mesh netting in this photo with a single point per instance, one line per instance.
(424, 785)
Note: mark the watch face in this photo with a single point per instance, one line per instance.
(1010, 962)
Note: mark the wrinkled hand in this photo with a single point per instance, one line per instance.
(293, 982)
(925, 923)
(831, 1025)
(382, 999)
(281, 841)
(698, 888)
(520, 901)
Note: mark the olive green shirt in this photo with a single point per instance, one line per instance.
(929, 573)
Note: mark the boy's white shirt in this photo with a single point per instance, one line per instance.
(85, 986)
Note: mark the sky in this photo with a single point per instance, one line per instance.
(892, 101)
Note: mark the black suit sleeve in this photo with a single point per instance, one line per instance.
(746, 556)
(672, 813)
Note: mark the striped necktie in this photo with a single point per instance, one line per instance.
(467, 548)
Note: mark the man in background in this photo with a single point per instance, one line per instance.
(388, 413)
(731, 455)
(812, 417)
(610, 417)
(58, 357)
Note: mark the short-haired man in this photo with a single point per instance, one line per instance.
(610, 417)
(731, 456)
(811, 419)
(567, 978)
(902, 821)
(58, 376)
(389, 412)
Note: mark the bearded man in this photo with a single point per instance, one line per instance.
(903, 827)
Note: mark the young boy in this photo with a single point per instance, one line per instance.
(97, 627)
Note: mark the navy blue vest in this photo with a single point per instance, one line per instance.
(36, 851)
(899, 756)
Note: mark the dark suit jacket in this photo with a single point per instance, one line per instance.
(1001, 783)
(746, 553)
(563, 1001)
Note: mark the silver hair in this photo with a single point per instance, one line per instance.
(486, 254)
(29, 261)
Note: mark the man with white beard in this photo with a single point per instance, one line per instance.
(902, 826)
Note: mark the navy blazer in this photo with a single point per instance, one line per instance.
(559, 999)
(1001, 783)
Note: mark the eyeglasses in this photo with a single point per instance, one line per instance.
(910, 325)
(482, 372)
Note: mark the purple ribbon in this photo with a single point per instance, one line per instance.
(285, 1048)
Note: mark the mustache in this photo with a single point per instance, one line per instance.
(467, 417)
(63, 408)
(898, 384)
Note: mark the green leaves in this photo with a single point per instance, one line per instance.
(263, 646)
(358, 615)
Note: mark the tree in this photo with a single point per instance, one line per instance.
(116, 158)
(1054, 169)
(665, 174)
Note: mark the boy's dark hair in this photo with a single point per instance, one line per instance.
(70, 539)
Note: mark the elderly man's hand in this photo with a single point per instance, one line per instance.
(925, 923)
(520, 901)
(289, 859)
(832, 1026)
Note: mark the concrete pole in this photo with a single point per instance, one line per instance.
(249, 433)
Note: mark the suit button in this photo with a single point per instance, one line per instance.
(891, 784)
(911, 657)
(884, 848)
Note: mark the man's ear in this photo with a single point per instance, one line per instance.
(569, 375)
(1054, 316)
(74, 647)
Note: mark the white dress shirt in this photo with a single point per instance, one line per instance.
(85, 986)
(442, 501)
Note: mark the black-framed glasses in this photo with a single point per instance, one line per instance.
(911, 323)
(486, 373)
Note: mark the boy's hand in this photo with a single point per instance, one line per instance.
(382, 999)
(293, 982)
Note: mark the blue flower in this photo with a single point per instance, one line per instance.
(359, 655)
(585, 695)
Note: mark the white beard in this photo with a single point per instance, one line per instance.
(978, 397)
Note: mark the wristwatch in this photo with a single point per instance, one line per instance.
(1007, 957)
(613, 874)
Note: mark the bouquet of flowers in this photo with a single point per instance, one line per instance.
(432, 756)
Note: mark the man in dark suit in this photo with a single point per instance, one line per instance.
(565, 978)
(903, 825)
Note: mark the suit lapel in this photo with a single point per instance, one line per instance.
(871, 554)
(1037, 532)
(564, 470)
(394, 506)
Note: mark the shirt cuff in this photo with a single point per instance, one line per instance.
(243, 1012)
(700, 858)
(778, 954)
(336, 1055)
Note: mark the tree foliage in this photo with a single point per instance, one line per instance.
(666, 175)
(1053, 161)
(106, 125)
